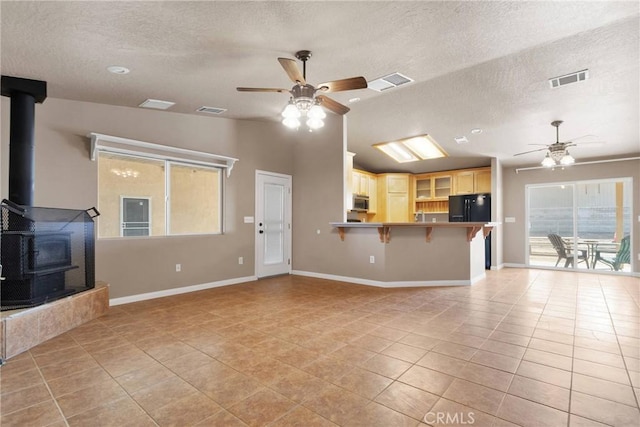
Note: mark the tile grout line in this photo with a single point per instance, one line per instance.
(624, 362)
(46, 383)
(573, 349)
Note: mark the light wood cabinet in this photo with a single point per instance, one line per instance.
(365, 184)
(393, 197)
(472, 181)
(360, 183)
(432, 192)
(482, 182)
(373, 194)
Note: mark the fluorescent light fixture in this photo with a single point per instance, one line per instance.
(412, 149)
(397, 152)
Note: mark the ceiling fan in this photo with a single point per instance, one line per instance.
(557, 153)
(307, 99)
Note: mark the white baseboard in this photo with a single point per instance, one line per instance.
(399, 284)
(181, 290)
(497, 267)
(514, 265)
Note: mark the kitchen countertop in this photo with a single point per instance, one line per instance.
(384, 228)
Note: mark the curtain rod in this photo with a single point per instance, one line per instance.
(578, 164)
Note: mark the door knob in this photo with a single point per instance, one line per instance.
(261, 231)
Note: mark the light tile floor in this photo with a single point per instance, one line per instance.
(523, 347)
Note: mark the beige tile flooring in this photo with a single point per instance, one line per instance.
(523, 347)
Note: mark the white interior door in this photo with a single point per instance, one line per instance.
(273, 224)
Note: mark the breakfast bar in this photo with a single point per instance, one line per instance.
(399, 254)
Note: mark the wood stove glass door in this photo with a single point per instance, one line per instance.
(135, 216)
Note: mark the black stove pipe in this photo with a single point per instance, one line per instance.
(24, 94)
(22, 149)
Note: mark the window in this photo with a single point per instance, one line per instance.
(140, 196)
(580, 225)
(135, 216)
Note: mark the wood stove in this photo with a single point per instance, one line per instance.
(46, 253)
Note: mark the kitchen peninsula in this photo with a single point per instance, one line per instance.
(399, 254)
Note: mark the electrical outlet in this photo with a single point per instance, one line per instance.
(240, 260)
(372, 259)
(178, 267)
(318, 231)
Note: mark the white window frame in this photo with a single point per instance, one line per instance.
(167, 154)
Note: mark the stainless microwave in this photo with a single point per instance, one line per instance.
(360, 203)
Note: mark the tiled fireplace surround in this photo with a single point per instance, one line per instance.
(21, 330)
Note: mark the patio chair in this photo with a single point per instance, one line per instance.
(619, 258)
(564, 251)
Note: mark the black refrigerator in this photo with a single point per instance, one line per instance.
(473, 208)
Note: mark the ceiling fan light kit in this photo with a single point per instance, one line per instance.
(304, 99)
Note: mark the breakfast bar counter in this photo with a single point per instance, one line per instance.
(391, 254)
(384, 228)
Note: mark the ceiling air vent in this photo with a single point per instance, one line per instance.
(388, 82)
(211, 110)
(578, 76)
(157, 104)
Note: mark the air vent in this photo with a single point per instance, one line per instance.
(388, 82)
(211, 110)
(578, 76)
(157, 104)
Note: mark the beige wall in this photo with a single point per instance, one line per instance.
(318, 197)
(66, 177)
(514, 200)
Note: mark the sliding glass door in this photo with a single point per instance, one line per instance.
(580, 225)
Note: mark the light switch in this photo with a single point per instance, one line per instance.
(248, 220)
(509, 219)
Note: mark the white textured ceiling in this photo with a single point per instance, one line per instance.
(475, 64)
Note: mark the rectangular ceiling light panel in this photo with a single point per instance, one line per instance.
(425, 147)
(397, 152)
(421, 147)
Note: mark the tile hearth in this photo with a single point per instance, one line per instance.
(23, 329)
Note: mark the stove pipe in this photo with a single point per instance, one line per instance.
(24, 93)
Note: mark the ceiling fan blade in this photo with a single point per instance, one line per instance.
(344, 84)
(332, 105)
(260, 89)
(532, 151)
(291, 67)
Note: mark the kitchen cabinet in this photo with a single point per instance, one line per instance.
(482, 181)
(393, 197)
(432, 192)
(472, 181)
(373, 194)
(365, 184)
(360, 183)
